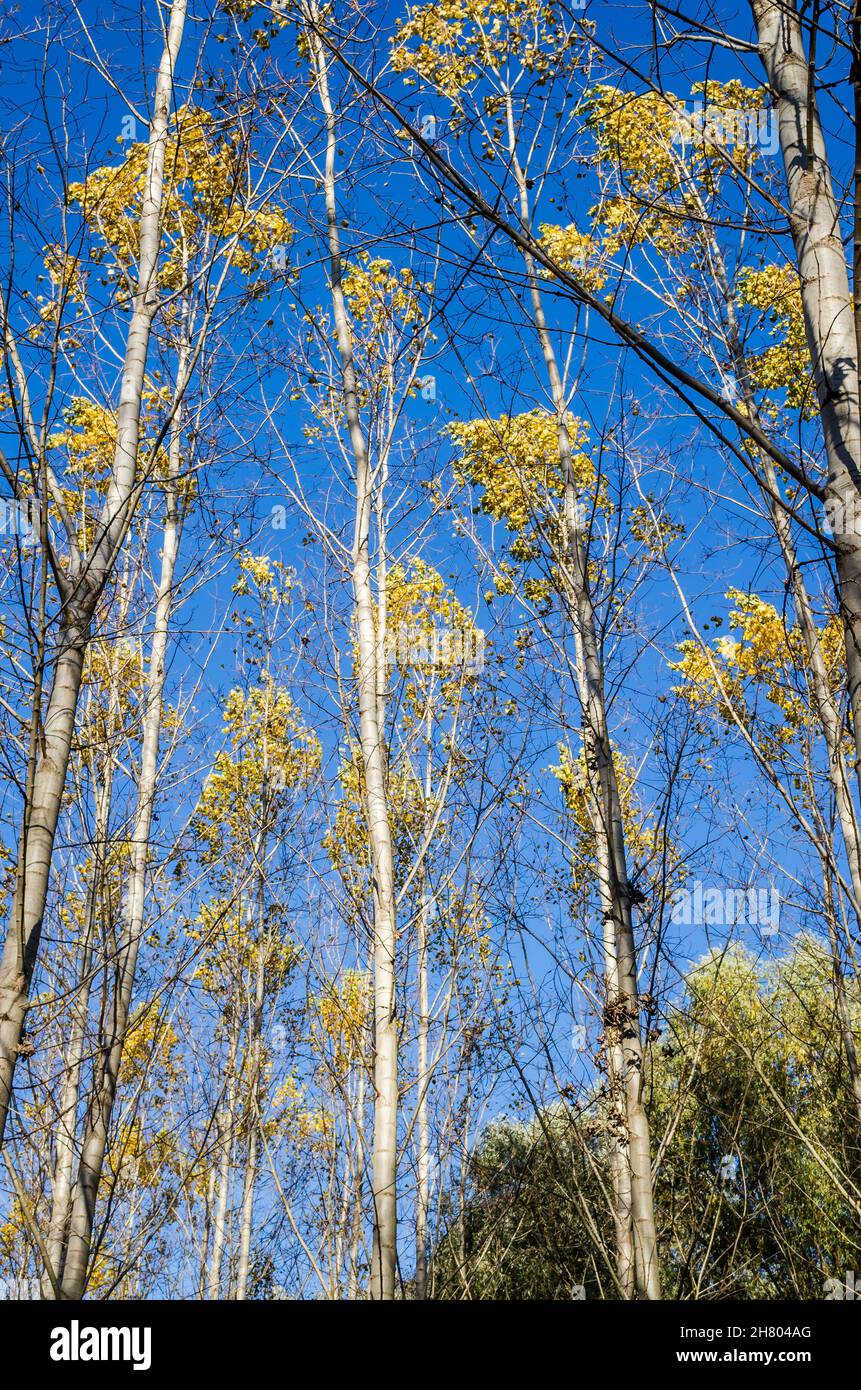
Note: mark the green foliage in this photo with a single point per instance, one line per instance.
(749, 1103)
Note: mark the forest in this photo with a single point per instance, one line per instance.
(430, 650)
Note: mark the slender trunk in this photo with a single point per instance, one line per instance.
(64, 1161)
(422, 1072)
(372, 738)
(34, 861)
(622, 1020)
(855, 75)
(423, 1174)
(828, 312)
(248, 1179)
(37, 844)
(358, 1183)
(844, 1014)
(225, 1137)
(108, 1064)
(250, 1173)
(620, 1168)
(207, 1229)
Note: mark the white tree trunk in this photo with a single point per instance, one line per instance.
(107, 1066)
(64, 1159)
(256, 1053)
(622, 1020)
(422, 1069)
(36, 846)
(372, 740)
(225, 1136)
(828, 311)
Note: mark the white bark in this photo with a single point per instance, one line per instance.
(64, 1159)
(622, 1021)
(108, 1064)
(422, 1068)
(256, 1066)
(88, 578)
(225, 1137)
(828, 311)
(372, 740)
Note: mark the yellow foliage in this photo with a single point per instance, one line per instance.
(452, 43)
(143, 1160)
(205, 198)
(785, 366)
(768, 656)
(658, 161)
(340, 1015)
(430, 638)
(151, 1043)
(575, 251)
(230, 949)
(271, 580)
(515, 461)
(379, 296)
(273, 754)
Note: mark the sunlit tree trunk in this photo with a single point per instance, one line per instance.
(86, 583)
(622, 1010)
(253, 1101)
(358, 1182)
(225, 1128)
(108, 1064)
(422, 1069)
(66, 1134)
(829, 319)
(372, 736)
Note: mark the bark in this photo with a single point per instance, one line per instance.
(828, 311)
(372, 742)
(622, 1021)
(64, 1160)
(225, 1137)
(34, 857)
(250, 1172)
(358, 1183)
(109, 1062)
(844, 1013)
(87, 582)
(245, 1220)
(422, 1070)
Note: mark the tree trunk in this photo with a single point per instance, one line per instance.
(828, 310)
(250, 1173)
(225, 1135)
(64, 1162)
(422, 1072)
(108, 1066)
(622, 1021)
(37, 843)
(35, 850)
(372, 740)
